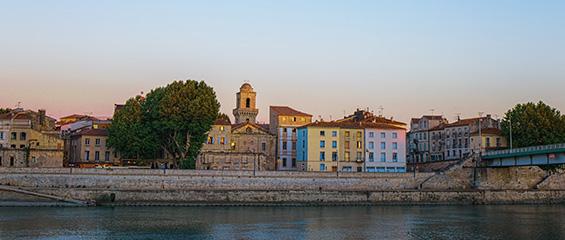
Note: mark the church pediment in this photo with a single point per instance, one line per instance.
(248, 128)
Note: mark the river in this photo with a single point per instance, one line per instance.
(338, 222)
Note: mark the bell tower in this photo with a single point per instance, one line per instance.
(245, 108)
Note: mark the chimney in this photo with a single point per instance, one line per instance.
(41, 117)
(488, 116)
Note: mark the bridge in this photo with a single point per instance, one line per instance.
(528, 156)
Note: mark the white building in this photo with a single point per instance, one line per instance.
(385, 148)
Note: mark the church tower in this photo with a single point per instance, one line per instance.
(245, 108)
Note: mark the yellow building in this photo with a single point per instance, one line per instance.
(352, 155)
(492, 138)
(318, 147)
(89, 148)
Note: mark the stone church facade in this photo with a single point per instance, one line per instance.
(244, 145)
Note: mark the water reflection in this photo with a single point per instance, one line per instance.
(382, 222)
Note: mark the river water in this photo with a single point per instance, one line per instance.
(338, 222)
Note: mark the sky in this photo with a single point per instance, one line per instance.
(326, 58)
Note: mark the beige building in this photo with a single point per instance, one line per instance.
(89, 148)
(283, 123)
(244, 145)
(29, 139)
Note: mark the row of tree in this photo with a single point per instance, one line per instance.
(169, 121)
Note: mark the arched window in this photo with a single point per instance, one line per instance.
(248, 102)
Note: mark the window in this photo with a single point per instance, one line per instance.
(14, 136)
(498, 142)
(394, 135)
(322, 156)
(1, 135)
(107, 156)
(293, 162)
(346, 133)
(210, 140)
(22, 146)
(97, 142)
(334, 156)
(294, 119)
(371, 145)
(285, 146)
(334, 144)
(334, 133)
(322, 167)
(87, 141)
(346, 169)
(12, 160)
(371, 134)
(222, 128)
(322, 144)
(284, 162)
(322, 133)
(394, 145)
(359, 156)
(383, 135)
(223, 140)
(86, 155)
(383, 157)
(359, 145)
(371, 157)
(359, 134)
(23, 136)
(395, 157)
(488, 142)
(383, 145)
(248, 102)
(96, 156)
(263, 147)
(346, 144)
(347, 156)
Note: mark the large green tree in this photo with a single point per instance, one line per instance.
(173, 119)
(5, 110)
(534, 124)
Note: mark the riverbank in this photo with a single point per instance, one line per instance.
(142, 187)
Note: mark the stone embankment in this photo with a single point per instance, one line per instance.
(460, 184)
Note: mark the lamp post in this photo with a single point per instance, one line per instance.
(415, 150)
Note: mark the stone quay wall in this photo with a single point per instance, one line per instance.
(186, 187)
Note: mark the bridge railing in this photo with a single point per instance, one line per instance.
(525, 149)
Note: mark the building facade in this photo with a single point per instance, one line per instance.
(244, 145)
(29, 139)
(365, 143)
(418, 139)
(283, 123)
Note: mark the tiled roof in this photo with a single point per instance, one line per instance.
(355, 125)
(287, 111)
(94, 132)
(437, 128)
(464, 122)
(222, 121)
(494, 131)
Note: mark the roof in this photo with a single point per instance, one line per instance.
(287, 111)
(263, 127)
(94, 132)
(222, 121)
(348, 124)
(433, 117)
(493, 131)
(464, 122)
(437, 128)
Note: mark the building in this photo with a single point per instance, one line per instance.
(88, 147)
(86, 143)
(29, 139)
(245, 145)
(363, 143)
(283, 123)
(418, 140)
(385, 148)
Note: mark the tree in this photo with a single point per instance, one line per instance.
(534, 124)
(129, 136)
(174, 119)
(5, 110)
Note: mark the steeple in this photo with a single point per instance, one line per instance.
(245, 108)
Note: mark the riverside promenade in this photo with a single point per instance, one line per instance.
(459, 184)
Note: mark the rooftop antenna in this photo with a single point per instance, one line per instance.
(432, 110)
(381, 110)
(458, 116)
(19, 105)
